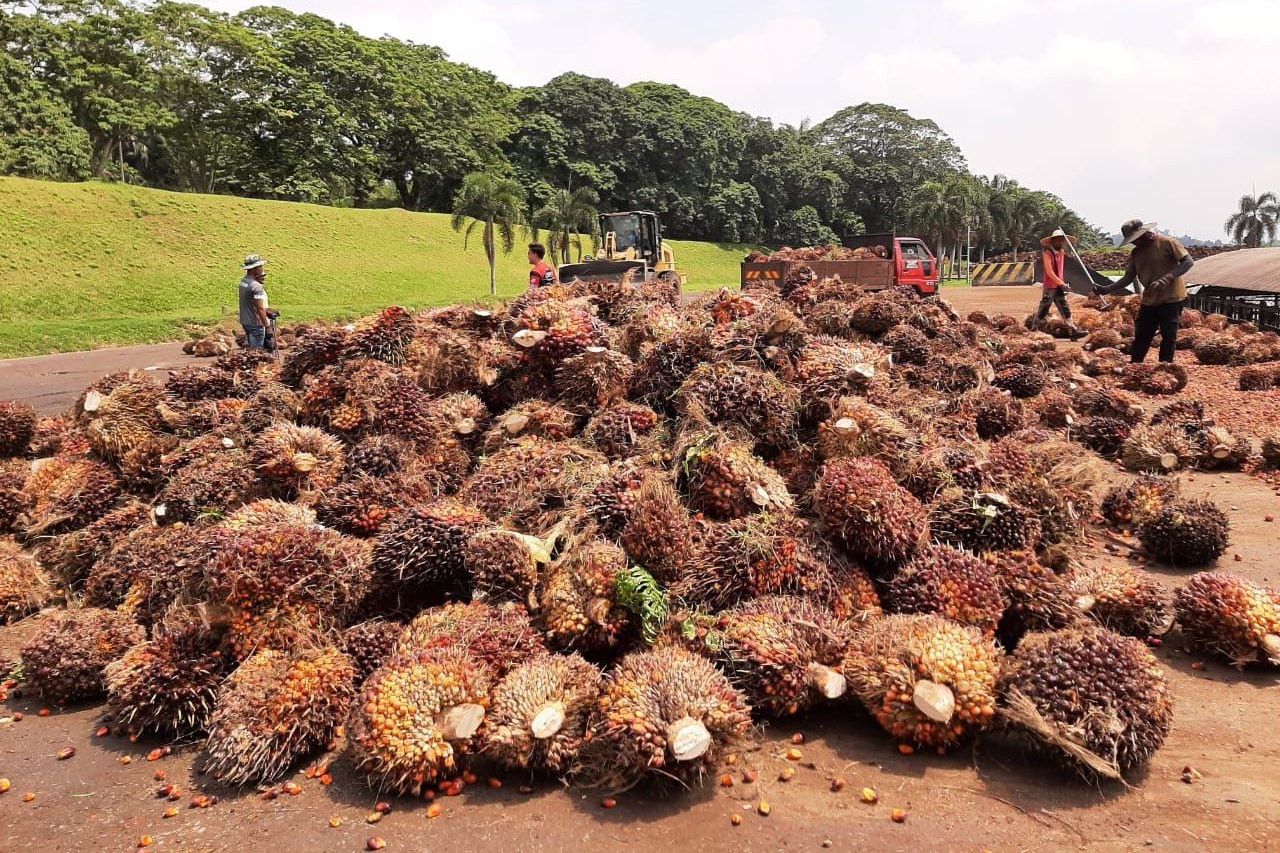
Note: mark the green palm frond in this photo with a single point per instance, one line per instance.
(641, 595)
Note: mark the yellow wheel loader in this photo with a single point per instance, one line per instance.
(632, 240)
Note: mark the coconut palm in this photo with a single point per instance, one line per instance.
(567, 216)
(1025, 210)
(496, 205)
(940, 208)
(1255, 221)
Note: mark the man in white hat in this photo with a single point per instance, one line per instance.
(253, 301)
(1158, 263)
(1054, 281)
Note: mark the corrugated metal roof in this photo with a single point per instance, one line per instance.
(1245, 269)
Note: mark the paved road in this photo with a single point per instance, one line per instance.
(51, 383)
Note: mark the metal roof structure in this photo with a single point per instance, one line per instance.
(1253, 270)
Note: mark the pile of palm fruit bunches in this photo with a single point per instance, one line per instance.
(600, 533)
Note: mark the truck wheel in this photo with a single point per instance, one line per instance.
(670, 277)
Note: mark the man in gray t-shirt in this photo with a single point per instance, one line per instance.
(253, 301)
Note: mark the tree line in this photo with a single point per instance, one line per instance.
(269, 103)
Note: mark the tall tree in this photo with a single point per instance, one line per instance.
(940, 209)
(566, 217)
(495, 205)
(1254, 222)
(1025, 211)
(37, 137)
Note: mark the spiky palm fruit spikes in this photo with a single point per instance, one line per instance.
(1109, 403)
(1185, 534)
(1157, 449)
(596, 377)
(66, 493)
(320, 347)
(1217, 350)
(368, 645)
(858, 428)
(626, 429)
(1021, 380)
(530, 419)
(24, 588)
(1139, 499)
(658, 532)
(996, 413)
(13, 476)
(1221, 449)
(1230, 616)
(876, 519)
(875, 315)
(211, 484)
(379, 456)
(499, 636)
(580, 607)
(505, 566)
(1037, 598)
(554, 331)
(908, 344)
(827, 370)
(17, 427)
(1122, 599)
(267, 512)
(384, 336)
(762, 554)
(200, 382)
(64, 662)
(70, 557)
(951, 583)
(123, 418)
(525, 484)
(539, 713)
(1104, 436)
(725, 480)
(737, 395)
(463, 415)
(364, 505)
(928, 681)
(783, 653)
(273, 403)
(423, 546)
(1095, 699)
(943, 468)
(168, 685)
(296, 460)
(275, 709)
(983, 521)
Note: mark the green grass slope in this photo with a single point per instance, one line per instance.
(87, 265)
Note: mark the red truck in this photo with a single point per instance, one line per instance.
(897, 262)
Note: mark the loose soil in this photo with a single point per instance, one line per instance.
(987, 798)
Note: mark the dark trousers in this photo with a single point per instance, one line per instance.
(1152, 318)
(1053, 296)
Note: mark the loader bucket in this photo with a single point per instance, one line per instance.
(1080, 277)
(599, 269)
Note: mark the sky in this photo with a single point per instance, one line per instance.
(1167, 110)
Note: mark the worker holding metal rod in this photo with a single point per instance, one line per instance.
(1157, 265)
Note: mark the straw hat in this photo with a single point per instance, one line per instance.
(1057, 232)
(252, 262)
(1133, 229)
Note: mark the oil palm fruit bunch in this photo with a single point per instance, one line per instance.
(663, 714)
(276, 709)
(658, 532)
(725, 480)
(828, 370)
(1187, 415)
(13, 476)
(416, 716)
(167, 685)
(553, 331)
(908, 344)
(1038, 599)
(875, 314)
(199, 382)
(149, 569)
(626, 429)
(527, 484)
(1090, 697)
(1102, 402)
(290, 625)
(320, 347)
(423, 546)
(65, 660)
(580, 606)
(1230, 616)
(506, 566)
(530, 419)
(464, 417)
(983, 521)
(366, 504)
(756, 555)
(379, 456)
(17, 427)
(499, 636)
(384, 336)
(850, 595)
(928, 681)
(858, 428)
(944, 468)
(368, 644)
(1141, 498)
(725, 395)
(272, 403)
(1222, 449)
(1056, 409)
(268, 511)
(211, 484)
(1104, 436)
(996, 413)
(831, 317)
(124, 416)
(66, 493)
(1021, 380)
(596, 377)
(948, 582)
(1217, 350)
(1256, 378)
(783, 653)
(664, 368)
(297, 459)
(57, 435)
(188, 420)
(538, 717)
(876, 519)
(1122, 599)
(24, 588)
(1186, 534)
(609, 502)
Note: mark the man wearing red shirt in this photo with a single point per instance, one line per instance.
(542, 273)
(1055, 283)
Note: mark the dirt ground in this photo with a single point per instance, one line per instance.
(986, 798)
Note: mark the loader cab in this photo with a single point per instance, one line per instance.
(636, 235)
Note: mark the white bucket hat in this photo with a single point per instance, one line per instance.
(252, 262)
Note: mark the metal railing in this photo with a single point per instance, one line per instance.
(1238, 309)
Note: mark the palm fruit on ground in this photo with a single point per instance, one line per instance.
(951, 583)
(1256, 378)
(580, 606)
(272, 403)
(24, 588)
(725, 480)
(366, 504)
(943, 468)
(320, 347)
(610, 501)
(530, 418)
(1104, 436)
(666, 366)
(858, 428)
(1185, 534)
(996, 413)
(379, 455)
(13, 476)
(1038, 599)
(267, 512)
(909, 345)
(594, 378)
(1156, 449)
(1056, 409)
(505, 566)
(1139, 499)
(662, 714)
(368, 644)
(64, 662)
(1217, 349)
(276, 709)
(1122, 599)
(423, 547)
(66, 493)
(499, 636)
(539, 713)
(928, 681)
(1230, 616)
(756, 555)
(415, 717)
(464, 416)
(384, 336)
(983, 521)
(626, 429)
(70, 557)
(1187, 415)
(875, 314)
(168, 684)
(727, 395)
(1021, 380)
(1224, 450)
(1269, 451)
(1108, 403)
(1091, 697)
(527, 485)
(199, 382)
(211, 484)
(876, 519)
(17, 427)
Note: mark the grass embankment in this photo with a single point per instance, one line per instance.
(88, 265)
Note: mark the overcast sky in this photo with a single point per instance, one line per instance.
(1164, 109)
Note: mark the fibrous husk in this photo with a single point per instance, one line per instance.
(167, 685)
(65, 661)
(539, 713)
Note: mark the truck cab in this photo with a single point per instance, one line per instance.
(915, 266)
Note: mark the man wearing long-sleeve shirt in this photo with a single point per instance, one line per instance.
(1158, 263)
(1054, 285)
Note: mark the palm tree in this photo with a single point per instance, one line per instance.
(999, 191)
(495, 203)
(566, 216)
(1025, 210)
(940, 208)
(1255, 221)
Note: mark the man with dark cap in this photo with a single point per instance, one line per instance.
(1158, 263)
